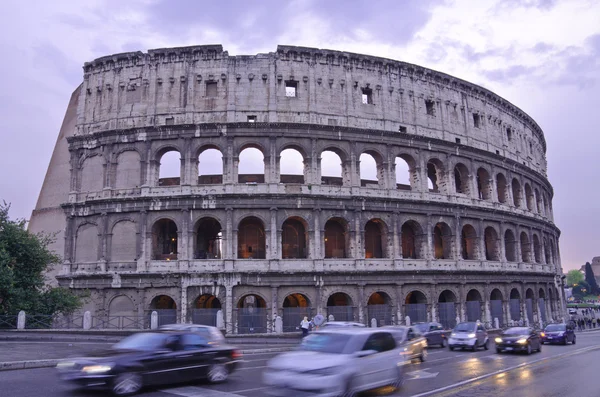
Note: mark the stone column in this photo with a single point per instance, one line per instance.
(142, 242)
(430, 254)
(69, 255)
(457, 238)
(315, 164)
(318, 243)
(274, 306)
(102, 237)
(481, 241)
(502, 243)
(184, 302)
(506, 311)
(397, 236)
(274, 251)
(229, 321)
(229, 247)
(399, 305)
(360, 304)
(182, 235)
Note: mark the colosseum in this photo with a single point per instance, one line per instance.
(453, 222)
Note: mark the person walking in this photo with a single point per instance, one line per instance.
(305, 324)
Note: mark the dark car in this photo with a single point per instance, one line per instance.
(558, 333)
(518, 339)
(434, 333)
(151, 358)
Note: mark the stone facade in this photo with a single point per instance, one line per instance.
(471, 236)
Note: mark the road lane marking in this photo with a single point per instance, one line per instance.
(193, 391)
(421, 374)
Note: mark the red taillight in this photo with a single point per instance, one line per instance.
(236, 354)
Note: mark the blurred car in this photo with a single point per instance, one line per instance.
(336, 324)
(434, 333)
(336, 362)
(558, 333)
(518, 339)
(468, 335)
(412, 343)
(213, 335)
(150, 359)
(572, 310)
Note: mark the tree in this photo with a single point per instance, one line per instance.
(591, 279)
(574, 277)
(581, 290)
(23, 259)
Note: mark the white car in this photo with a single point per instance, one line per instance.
(335, 362)
(331, 324)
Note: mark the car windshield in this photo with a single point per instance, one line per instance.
(516, 331)
(325, 343)
(556, 327)
(144, 341)
(465, 327)
(422, 328)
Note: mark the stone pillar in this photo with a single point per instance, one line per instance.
(184, 303)
(154, 320)
(184, 236)
(502, 243)
(430, 254)
(229, 321)
(506, 311)
(360, 304)
(400, 304)
(228, 234)
(319, 241)
(397, 236)
(102, 237)
(359, 237)
(315, 163)
(481, 241)
(457, 238)
(274, 251)
(186, 166)
(274, 306)
(21, 320)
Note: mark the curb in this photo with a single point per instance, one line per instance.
(32, 364)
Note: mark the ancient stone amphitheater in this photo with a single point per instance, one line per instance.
(454, 222)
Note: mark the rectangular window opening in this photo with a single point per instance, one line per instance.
(429, 106)
(291, 88)
(402, 129)
(497, 151)
(169, 121)
(251, 119)
(476, 120)
(367, 96)
(509, 134)
(458, 140)
(211, 89)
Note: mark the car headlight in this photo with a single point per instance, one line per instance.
(471, 335)
(522, 341)
(96, 369)
(324, 371)
(542, 334)
(498, 340)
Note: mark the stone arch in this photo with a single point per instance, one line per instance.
(447, 296)
(405, 165)
(516, 191)
(502, 188)
(553, 252)
(379, 298)
(251, 238)
(442, 241)
(292, 166)
(469, 241)
(207, 301)
(496, 294)
(529, 198)
(415, 296)
(379, 308)
(474, 295)
(294, 238)
(340, 306)
(334, 166)
(375, 232)
(295, 307)
(128, 170)
(484, 184)
(371, 166)
(123, 247)
(546, 207)
(462, 179)
(542, 293)
(164, 239)
(251, 164)
(86, 243)
(525, 248)
(510, 246)
(92, 174)
(413, 240)
(515, 294)
(537, 250)
(447, 308)
(168, 163)
(208, 239)
(529, 294)
(210, 166)
(251, 314)
(436, 176)
(166, 307)
(492, 246)
(515, 304)
(415, 304)
(473, 305)
(296, 299)
(336, 238)
(121, 305)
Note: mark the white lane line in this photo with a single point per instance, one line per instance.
(193, 391)
(485, 376)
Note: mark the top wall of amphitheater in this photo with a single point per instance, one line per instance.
(203, 84)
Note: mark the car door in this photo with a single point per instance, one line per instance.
(372, 370)
(161, 366)
(481, 334)
(535, 339)
(570, 334)
(414, 343)
(196, 356)
(435, 337)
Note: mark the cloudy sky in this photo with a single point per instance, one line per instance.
(542, 55)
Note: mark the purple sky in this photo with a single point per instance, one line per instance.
(542, 55)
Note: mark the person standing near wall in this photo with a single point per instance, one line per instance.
(304, 325)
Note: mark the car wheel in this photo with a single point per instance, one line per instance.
(485, 345)
(564, 341)
(451, 348)
(474, 348)
(423, 355)
(540, 348)
(126, 384)
(349, 392)
(217, 373)
(498, 350)
(399, 380)
(528, 349)
(444, 343)
(573, 340)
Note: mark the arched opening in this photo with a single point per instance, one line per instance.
(251, 315)
(473, 305)
(546, 208)
(291, 166)
(442, 241)
(447, 309)
(122, 306)
(468, 243)
(542, 305)
(251, 239)
(510, 246)
(205, 310)
(379, 307)
(123, 247)
(295, 307)
(492, 250)
(251, 168)
(435, 176)
(339, 305)
(415, 305)
(128, 170)
(529, 197)
(552, 252)
(374, 235)
(166, 308)
(484, 185)
(91, 176)
(525, 248)
(412, 240)
(86, 243)
(502, 190)
(515, 305)
(547, 253)
(164, 240)
(331, 168)
(209, 239)
(461, 179)
(210, 167)
(529, 297)
(169, 165)
(370, 170)
(293, 239)
(496, 307)
(538, 201)
(335, 238)
(516, 191)
(537, 250)
(406, 176)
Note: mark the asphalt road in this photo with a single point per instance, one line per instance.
(557, 371)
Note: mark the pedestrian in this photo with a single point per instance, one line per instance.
(305, 324)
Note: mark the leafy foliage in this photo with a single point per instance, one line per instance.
(581, 289)
(591, 279)
(23, 259)
(574, 277)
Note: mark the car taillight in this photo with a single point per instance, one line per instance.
(236, 354)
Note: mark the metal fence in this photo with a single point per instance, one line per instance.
(292, 316)
(529, 308)
(205, 316)
(8, 321)
(251, 320)
(341, 313)
(542, 306)
(381, 313)
(515, 309)
(417, 312)
(473, 310)
(38, 321)
(447, 314)
(497, 311)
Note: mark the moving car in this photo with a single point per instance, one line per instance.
(213, 335)
(413, 345)
(468, 335)
(434, 333)
(572, 310)
(332, 324)
(523, 339)
(151, 358)
(335, 362)
(558, 333)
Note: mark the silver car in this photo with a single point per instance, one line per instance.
(332, 324)
(412, 343)
(468, 335)
(337, 362)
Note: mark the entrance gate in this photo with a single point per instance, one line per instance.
(417, 312)
(381, 313)
(205, 316)
(447, 314)
(341, 313)
(473, 310)
(251, 320)
(542, 306)
(529, 307)
(497, 311)
(293, 316)
(515, 309)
